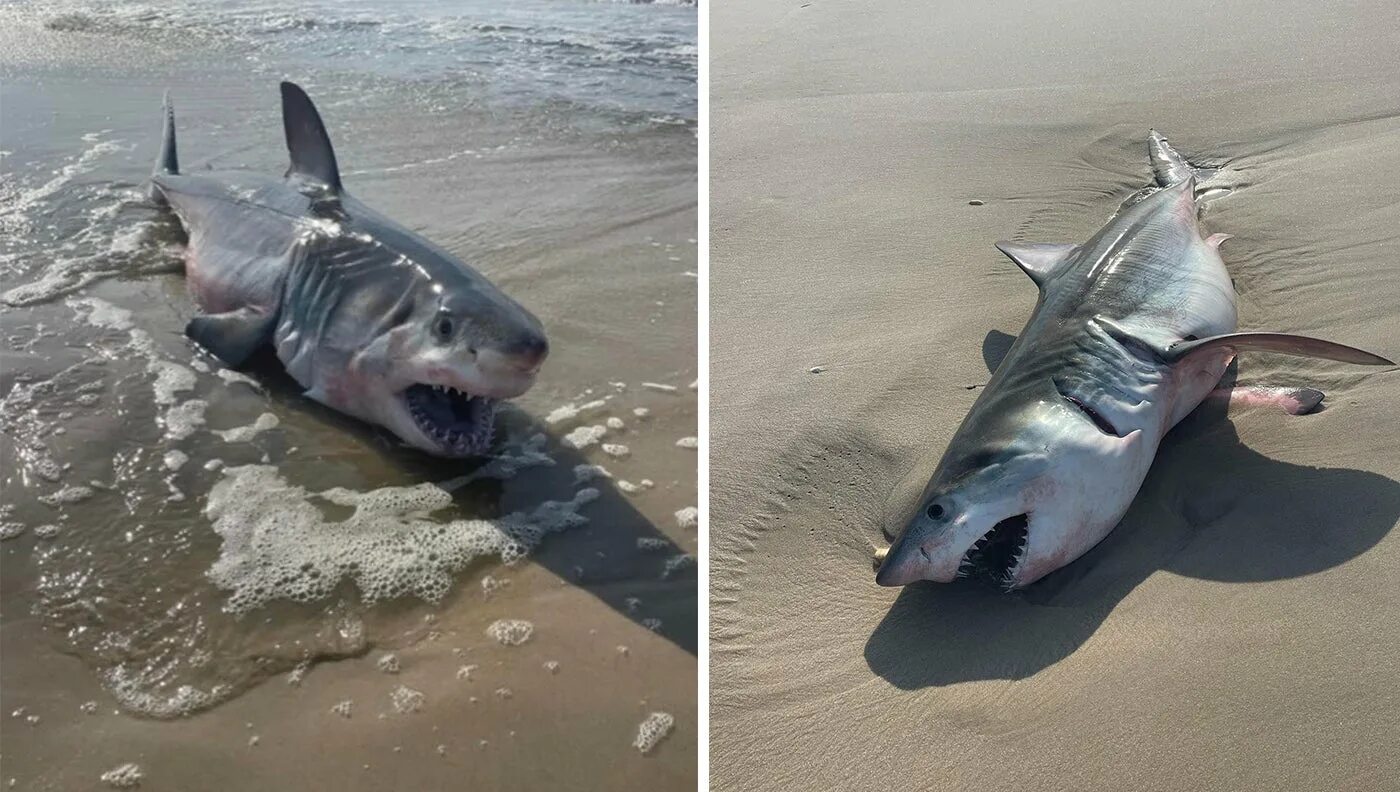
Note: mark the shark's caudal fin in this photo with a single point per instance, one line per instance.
(307, 141)
(167, 163)
(1168, 166)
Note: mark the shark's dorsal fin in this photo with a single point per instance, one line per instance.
(1037, 259)
(307, 141)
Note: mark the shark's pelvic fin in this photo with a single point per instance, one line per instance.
(307, 141)
(232, 337)
(1037, 259)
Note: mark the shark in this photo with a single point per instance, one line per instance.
(1131, 331)
(370, 318)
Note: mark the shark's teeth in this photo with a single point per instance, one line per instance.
(458, 422)
(997, 554)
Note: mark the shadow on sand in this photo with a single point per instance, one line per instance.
(602, 558)
(1209, 510)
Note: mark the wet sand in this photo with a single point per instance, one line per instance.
(587, 216)
(1237, 630)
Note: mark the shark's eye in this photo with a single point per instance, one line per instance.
(935, 511)
(444, 328)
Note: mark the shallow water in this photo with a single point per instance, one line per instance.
(551, 146)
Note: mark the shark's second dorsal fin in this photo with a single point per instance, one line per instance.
(307, 141)
(1037, 259)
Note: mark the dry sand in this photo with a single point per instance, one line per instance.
(1239, 629)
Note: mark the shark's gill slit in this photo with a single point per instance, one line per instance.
(993, 558)
(1104, 425)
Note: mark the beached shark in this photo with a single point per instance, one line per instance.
(1132, 330)
(372, 319)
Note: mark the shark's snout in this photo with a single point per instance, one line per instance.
(909, 560)
(958, 551)
(527, 353)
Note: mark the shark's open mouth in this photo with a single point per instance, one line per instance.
(462, 424)
(994, 557)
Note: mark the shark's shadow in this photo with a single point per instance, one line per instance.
(602, 558)
(1208, 509)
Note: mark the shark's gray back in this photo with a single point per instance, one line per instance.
(1147, 270)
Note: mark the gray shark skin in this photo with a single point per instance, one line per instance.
(372, 319)
(1132, 329)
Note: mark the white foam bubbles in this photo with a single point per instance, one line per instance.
(127, 776)
(406, 700)
(278, 545)
(616, 450)
(586, 473)
(677, 564)
(183, 419)
(571, 411)
(511, 632)
(653, 730)
(243, 434)
(69, 494)
(689, 517)
(584, 436)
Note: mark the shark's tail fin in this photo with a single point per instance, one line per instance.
(1168, 166)
(167, 162)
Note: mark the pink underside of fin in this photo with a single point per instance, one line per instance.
(1214, 240)
(1294, 401)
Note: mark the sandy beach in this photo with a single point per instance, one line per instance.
(1239, 629)
(549, 145)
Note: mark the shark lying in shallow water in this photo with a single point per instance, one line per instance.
(372, 319)
(1132, 330)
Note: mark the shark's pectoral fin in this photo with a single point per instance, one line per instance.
(1281, 343)
(1039, 260)
(232, 337)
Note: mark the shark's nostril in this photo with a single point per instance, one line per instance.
(529, 352)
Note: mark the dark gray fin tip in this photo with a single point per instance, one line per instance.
(307, 142)
(1280, 343)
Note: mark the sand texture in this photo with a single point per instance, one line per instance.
(1239, 629)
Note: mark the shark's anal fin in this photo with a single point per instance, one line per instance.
(232, 337)
(1039, 260)
(1281, 343)
(307, 142)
